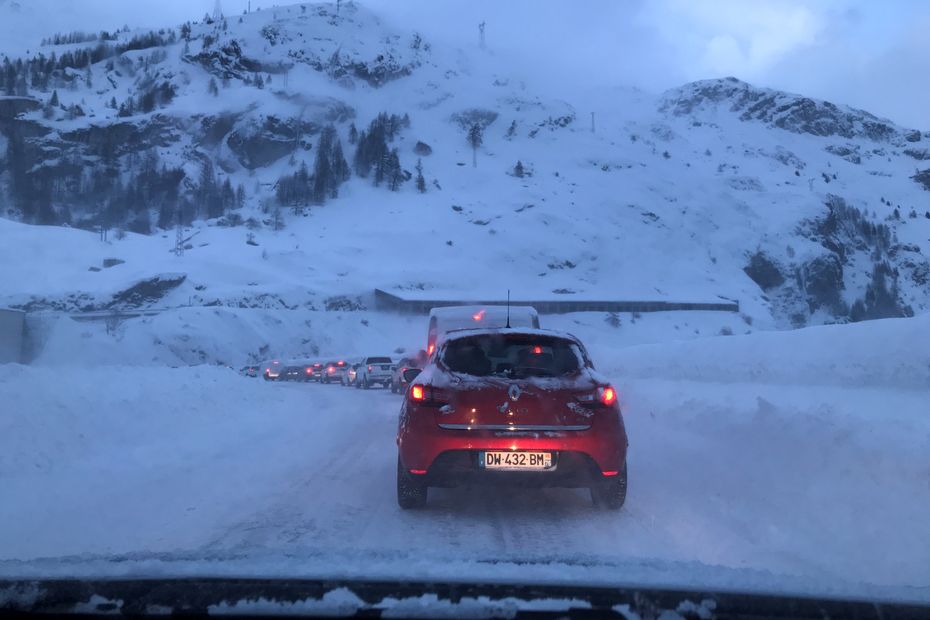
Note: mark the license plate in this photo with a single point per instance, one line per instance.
(515, 460)
(385, 368)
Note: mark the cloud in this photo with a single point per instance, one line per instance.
(732, 37)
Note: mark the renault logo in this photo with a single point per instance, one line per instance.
(514, 392)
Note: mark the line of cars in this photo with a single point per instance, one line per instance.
(363, 372)
(493, 399)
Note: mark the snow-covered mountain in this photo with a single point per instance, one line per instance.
(802, 210)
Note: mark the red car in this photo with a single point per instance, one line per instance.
(522, 406)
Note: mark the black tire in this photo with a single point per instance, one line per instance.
(411, 494)
(611, 493)
(366, 385)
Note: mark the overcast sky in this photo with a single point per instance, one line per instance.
(872, 54)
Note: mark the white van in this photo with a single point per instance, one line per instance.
(442, 320)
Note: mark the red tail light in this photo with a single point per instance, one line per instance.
(331, 369)
(429, 396)
(601, 397)
(430, 349)
(370, 368)
(418, 472)
(537, 350)
(309, 371)
(341, 364)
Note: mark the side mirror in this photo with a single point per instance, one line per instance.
(410, 374)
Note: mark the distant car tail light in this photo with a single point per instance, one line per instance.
(341, 364)
(370, 368)
(537, 350)
(331, 369)
(478, 315)
(417, 392)
(309, 371)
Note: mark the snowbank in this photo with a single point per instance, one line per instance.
(890, 352)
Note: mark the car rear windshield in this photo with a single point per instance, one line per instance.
(513, 355)
(379, 360)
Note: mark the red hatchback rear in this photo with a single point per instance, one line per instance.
(515, 406)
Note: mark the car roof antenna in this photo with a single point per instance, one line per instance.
(508, 308)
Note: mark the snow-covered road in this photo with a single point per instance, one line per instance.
(123, 470)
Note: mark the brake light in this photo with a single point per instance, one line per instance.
(601, 397)
(537, 350)
(341, 364)
(309, 371)
(417, 392)
(610, 473)
(331, 369)
(418, 472)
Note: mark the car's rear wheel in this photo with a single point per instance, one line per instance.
(611, 492)
(366, 384)
(411, 493)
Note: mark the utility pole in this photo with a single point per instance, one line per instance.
(481, 34)
(592, 122)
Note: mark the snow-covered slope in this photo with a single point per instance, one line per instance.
(803, 211)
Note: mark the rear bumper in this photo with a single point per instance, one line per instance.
(449, 455)
(461, 467)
